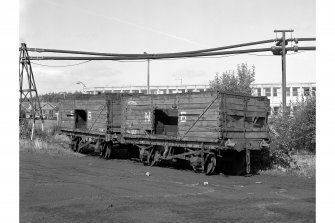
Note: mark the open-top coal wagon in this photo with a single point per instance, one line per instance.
(206, 129)
(92, 121)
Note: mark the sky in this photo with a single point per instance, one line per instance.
(137, 26)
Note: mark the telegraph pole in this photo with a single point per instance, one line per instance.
(148, 76)
(283, 43)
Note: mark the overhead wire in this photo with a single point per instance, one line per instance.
(181, 58)
(70, 65)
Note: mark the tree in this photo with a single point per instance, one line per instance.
(229, 82)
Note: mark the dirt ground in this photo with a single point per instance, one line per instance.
(80, 188)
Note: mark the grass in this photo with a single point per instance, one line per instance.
(46, 141)
(305, 166)
(55, 145)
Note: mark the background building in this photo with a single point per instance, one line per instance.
(294, 91)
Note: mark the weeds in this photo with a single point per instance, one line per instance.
(46, 141)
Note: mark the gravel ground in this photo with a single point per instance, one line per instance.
(80, 188)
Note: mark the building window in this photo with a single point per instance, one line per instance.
(267, 91)
(275, 91)
(288, 93)
(259, 91)
(295, 91)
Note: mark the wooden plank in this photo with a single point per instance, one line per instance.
(182, 129)
(138, 108)
(183, 106)
(187, 124)
(173, 138)
(197, 112)
(101, 121)
(80, 104)
(138, 111)
(203, 118)
(198, 100)
(199, 139)
(249, 108)
(200, 134)
(116, 121)
(251, 101)
(248, 113)
(251, 135)
(137, 125)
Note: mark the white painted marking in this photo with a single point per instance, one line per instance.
(183, 116)
(147, 117)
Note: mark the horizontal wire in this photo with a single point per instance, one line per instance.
(181, 58)
(70, 65)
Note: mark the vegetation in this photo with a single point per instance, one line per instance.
(56, 97)
(46, 141)
(235, 82)
(293, 132)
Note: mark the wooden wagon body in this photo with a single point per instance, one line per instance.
(212, 118)
(92, 119)
(199, 125)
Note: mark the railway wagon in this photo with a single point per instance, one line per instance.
(92, 121)
(206, 129)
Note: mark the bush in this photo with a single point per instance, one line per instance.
(26, 128)
(292, 132)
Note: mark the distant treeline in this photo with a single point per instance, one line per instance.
(56, 97)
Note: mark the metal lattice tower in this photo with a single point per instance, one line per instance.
(28, 93)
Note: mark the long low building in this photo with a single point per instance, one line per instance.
(294, 91)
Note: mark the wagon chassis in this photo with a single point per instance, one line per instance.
(102, 143)
(202, 156)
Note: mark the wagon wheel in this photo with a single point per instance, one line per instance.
(108, 151)
(239, 163)
(210, 164)
(151, 157)
(74, 144)
(102, 150)
(144, 156)
(80, 144)
(155, 157)
(196, 164)
(197, 168)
